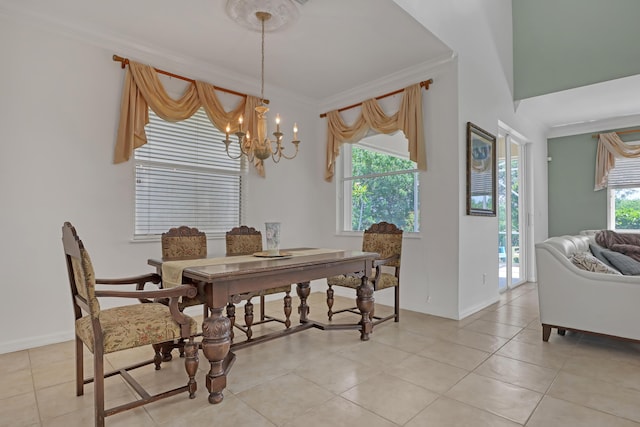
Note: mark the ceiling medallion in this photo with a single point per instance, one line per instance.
(283, 13)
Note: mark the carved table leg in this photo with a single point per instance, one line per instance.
(248, 317)
(330, 302)
(231, 314)
(364, 301)
(215, 346)
(191, 365)
(287, 310)
(303, 289)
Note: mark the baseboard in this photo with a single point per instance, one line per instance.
(39, 341)
(478, 307)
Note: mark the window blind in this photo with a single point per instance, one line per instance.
(626, 173)
(184, 177)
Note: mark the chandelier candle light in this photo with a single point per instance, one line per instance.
(260, 146)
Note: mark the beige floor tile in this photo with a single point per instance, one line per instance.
(556, 412)
(231, 412)
(603, 396)
(20, 410)
(446, 412)
(15, 383)
(454, 354)
(285, 397)
(534, 336)
(85, 417)
(500, 398)
(336, 373)
(46, 375)
(373, 354)
(61, 399)
(396, 337)
(428, 373)
(339, 412)
(477, 340)
(606, 369)
(15, 361)
(543, 354)
(501, 330)
(608, 348)
(522, 374)
(509, 315)
(373, 395)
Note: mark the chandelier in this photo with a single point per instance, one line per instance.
(260, 146)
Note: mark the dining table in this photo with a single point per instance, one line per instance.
(230, 279)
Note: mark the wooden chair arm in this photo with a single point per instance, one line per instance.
(175, 292)
(383, 261)
(140, 280)
(378, 263)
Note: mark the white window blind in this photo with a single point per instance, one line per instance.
(184, 177)
(626, 173)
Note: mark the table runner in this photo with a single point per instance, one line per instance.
(172, 270)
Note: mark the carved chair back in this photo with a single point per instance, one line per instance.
(183, 243)
(243, 240)
(385, 239)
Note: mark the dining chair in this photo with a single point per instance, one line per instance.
(246, 240)
(180, 243)
(385, 239)
(105, 331)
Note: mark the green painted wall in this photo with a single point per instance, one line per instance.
(573, 205)
(563, 44)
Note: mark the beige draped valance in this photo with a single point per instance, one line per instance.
(408, 119)
(143, 90)
(611, 146)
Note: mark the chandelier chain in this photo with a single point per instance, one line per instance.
(262, 71)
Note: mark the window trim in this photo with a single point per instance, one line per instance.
(342, 198)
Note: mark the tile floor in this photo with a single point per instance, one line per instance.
(491, 369)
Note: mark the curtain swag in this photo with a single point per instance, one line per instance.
(407, 119)
(611, 146)
(143, 90)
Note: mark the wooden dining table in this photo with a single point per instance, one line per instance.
(223, 280)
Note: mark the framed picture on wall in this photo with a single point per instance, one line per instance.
(481, 171)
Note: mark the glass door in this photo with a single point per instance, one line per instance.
(511, 212)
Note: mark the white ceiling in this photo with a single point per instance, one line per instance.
(335, 45)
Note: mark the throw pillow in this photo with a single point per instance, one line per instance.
(626, 265)
(588, 262)
(599, 252)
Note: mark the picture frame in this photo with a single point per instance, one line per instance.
(481, 171)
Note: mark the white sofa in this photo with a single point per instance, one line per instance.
(576, 299)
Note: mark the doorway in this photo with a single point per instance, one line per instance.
(512, 230)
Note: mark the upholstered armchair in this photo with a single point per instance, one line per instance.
(105, 331)
(386, 240)
(245, 240)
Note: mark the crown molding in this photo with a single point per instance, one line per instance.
(388, 83)
(591, 126)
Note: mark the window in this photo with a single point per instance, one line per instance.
(184, 177)
(624, 195)
(378, 183)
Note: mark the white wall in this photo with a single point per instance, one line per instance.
(480, 33)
